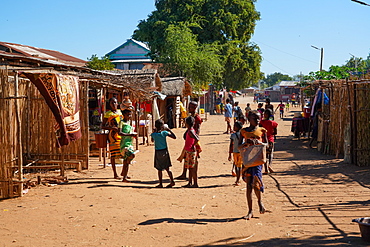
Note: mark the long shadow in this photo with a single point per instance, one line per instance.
(134, 186)
(216, 176)
(188, 221)
(328, 240)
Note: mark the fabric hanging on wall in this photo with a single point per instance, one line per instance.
(61, 93)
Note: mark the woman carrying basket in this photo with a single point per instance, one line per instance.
(251, 137)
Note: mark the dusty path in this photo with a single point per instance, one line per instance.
(312, 199)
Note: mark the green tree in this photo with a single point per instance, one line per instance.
(100, 64)
(220, 27)
(275, 78)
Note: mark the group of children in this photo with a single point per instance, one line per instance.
(121, 135)
(261, 131)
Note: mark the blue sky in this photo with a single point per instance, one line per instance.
(285, 33)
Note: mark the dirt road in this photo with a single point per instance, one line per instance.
(311, 199)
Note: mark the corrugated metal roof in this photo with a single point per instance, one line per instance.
(288, 83)
(39, 53)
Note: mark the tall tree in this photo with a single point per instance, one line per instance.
(226, 26)
(102, 63)
(276, 77)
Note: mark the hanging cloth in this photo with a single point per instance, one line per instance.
(61, 93)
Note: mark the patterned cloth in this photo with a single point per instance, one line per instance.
(190, 160)
(61, 93)
(113, 120)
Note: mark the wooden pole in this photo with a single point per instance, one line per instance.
(19, 136)
(87, 139)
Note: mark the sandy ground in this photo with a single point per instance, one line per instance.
(311, 199)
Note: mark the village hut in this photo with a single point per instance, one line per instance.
(176, 89)
(42, 91)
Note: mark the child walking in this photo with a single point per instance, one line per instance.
(191, 159)
(126, 146)
(253, 175)
(271, 127)
(233, 149)
(162, 160)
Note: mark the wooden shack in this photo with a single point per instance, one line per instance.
(176, 89)
(28, 139)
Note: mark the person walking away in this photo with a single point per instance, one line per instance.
(126, 146)
(111, 120)
(234, 151)
(271, 127)
(253, 175)
(287, 106)
(191, 159)
(247, 109)
(281, 108)
(193, 105)
(228, 115)
(162, 160)
(268, 105)
(238, 112)
(260, 109)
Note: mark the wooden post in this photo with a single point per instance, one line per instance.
(19, 136)
(62, 165)
(87, 139)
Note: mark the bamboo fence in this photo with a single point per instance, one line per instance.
(346, 120)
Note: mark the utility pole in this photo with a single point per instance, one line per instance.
(321, 56)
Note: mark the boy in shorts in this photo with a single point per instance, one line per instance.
(233, 149)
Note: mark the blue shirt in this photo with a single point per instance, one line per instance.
(228, 110)
(160, 139)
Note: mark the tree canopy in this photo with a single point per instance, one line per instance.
(276, 77)
(99, 64)
(206, 40)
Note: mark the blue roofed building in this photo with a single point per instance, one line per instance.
(130, 55)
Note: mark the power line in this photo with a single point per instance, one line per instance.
(360, 2)
(277, 67)
(287, 53)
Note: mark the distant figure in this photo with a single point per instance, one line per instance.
(237, 111)
(233, 149)
(287, 106)
(162, 160)
(247, 109)
(281, 107)
(271, 127)
(268, 105)
(260, 109)
(228, 115)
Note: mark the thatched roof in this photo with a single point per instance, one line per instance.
(173, 86)
(140, 83)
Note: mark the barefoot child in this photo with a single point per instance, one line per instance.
(253, 175)
(271, 127)
(197, 122)
(233, 149)
(191, 159)
(162, 160)
(126, 146)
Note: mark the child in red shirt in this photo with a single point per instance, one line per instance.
(271, 127)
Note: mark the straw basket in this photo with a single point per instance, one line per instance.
(101, 140)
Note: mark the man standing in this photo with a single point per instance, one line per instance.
(228, 115)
